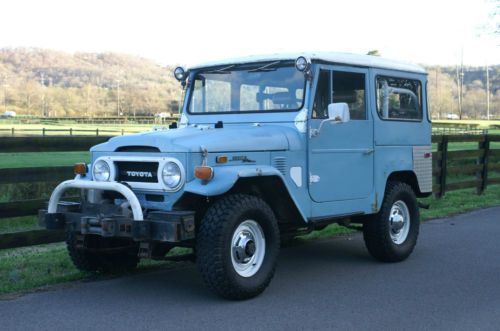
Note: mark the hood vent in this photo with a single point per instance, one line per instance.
(138, 149)
(279, 163)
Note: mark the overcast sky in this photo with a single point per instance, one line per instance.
(189, 31)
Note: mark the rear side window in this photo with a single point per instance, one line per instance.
(399, 98)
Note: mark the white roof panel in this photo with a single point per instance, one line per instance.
(340, 58)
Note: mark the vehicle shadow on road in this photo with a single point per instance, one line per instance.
(182, 282)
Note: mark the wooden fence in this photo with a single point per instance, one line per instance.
(478, 162)
(447, 164)
(67, 131)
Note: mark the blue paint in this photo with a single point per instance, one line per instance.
(348, 163)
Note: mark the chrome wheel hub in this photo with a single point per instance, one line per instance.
(248, 247)
(399, 221)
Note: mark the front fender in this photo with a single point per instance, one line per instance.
(225, 177)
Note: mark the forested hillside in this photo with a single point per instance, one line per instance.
(443, 91)
(50, 83)
(44, 82)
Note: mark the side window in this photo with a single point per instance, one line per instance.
(349, 87)
(399, 98)
(322, 97)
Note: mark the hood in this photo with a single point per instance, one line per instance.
(231, 138)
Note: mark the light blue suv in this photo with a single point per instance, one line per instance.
(266, 148)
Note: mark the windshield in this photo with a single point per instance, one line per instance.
(259, 87)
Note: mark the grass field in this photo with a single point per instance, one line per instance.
(23, 160)
(484, 124)
(36, 129)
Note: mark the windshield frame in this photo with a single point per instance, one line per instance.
(242, 66)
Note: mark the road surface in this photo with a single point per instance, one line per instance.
(452, 281)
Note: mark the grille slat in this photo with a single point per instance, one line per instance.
(144, 172)
(279, 163)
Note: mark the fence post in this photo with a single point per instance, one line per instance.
(122, 132)
(443, 148)
(12, 131)
(97, 132)
(70, 131)
(482, 174)
(43, 132)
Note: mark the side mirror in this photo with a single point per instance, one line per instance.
(338, 113)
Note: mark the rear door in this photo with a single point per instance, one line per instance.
(341, 156)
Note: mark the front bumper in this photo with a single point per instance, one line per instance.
(174, 226)
(109, 220)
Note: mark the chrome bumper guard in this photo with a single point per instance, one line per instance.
(103, 220)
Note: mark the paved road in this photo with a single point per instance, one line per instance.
(452, 281)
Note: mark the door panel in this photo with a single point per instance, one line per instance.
(341, 156)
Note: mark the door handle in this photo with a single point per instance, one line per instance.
(368, 151)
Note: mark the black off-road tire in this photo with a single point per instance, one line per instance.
(84, 260)
(213, 246)
(376, 230)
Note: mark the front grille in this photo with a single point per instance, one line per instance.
(143, 172)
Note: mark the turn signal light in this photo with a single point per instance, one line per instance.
(80, 168)
(221, 159)
(204, 172)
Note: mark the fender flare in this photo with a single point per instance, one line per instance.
(226, 177)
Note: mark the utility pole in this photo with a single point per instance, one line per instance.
(459, 93)
(461, 80)
(48, 100)
(487, 91)
(5, 96)
(437, 94)
(42, 82)
(118, 97)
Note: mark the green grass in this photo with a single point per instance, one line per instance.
(481, 123)
(14, 224)
(19, 129)
(46, 159)
(38, 267)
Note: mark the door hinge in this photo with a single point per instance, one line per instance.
(314, 179)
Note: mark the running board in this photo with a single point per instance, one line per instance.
(326, 220)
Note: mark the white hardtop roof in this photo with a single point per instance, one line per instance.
(339, 58)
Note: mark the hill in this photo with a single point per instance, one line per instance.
(50, 83)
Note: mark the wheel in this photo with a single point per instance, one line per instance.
(85, 260)
(392, 234)
(237, 246)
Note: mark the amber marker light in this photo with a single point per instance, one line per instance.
(221, 159)
(80, 168)
(204, 172)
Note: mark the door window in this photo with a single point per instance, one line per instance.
(322, 98)
(349, 87)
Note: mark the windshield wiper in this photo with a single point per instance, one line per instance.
(265, 67)
(221, 70)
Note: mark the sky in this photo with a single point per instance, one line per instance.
(190, 31)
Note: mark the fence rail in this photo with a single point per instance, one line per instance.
(69, 131)
(481, 162)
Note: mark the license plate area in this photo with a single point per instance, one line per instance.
(133, 171)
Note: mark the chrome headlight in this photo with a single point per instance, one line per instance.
(101, 171)
(302, 64)
(171, 175)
